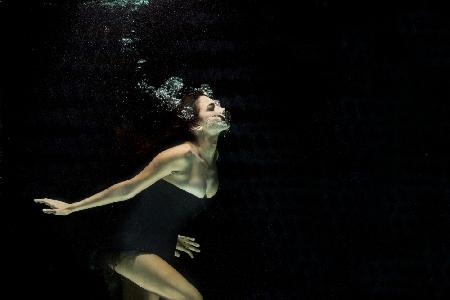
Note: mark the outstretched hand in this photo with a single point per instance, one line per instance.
(186, 244)
(56, 207)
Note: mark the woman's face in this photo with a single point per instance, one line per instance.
(211, 116)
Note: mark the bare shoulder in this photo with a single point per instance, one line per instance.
(181, 150)
(179, 154)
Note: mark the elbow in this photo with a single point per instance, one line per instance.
(131, 188)
(127, 191)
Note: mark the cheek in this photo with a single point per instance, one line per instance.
(202, 118)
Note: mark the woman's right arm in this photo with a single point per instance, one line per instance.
(172, 159)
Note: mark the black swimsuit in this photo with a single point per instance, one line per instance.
(152, 220)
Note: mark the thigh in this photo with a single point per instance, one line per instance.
(155, 275)
(131, 291)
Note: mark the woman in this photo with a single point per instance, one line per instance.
(184, 176)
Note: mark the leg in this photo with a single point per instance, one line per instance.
(155, 275)
(132, 291)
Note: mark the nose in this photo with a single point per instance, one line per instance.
(222, 110)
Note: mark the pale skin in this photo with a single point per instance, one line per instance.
(190, 166)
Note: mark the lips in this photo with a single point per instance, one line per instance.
(225, 117)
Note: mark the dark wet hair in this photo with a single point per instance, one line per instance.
(151, 130)
(179, 129)
(189, 102)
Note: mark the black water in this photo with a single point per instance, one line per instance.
(334, 176)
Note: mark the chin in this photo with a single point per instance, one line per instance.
(223, 124)
(218, 127)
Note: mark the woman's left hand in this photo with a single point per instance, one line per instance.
(186, 244)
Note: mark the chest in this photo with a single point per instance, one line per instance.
(198, 179)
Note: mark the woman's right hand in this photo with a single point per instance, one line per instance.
(56, 207)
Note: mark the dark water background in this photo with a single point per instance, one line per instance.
(334, 177)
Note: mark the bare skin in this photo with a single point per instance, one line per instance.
(190, 166)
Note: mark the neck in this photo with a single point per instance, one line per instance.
(207, 145)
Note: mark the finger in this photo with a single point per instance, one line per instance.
(45, 201)
(188, 246)
(187, 251)
(193, 249)
(41, 200)
(192, 243)
(186, 237)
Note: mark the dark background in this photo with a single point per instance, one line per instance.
(334, 176)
